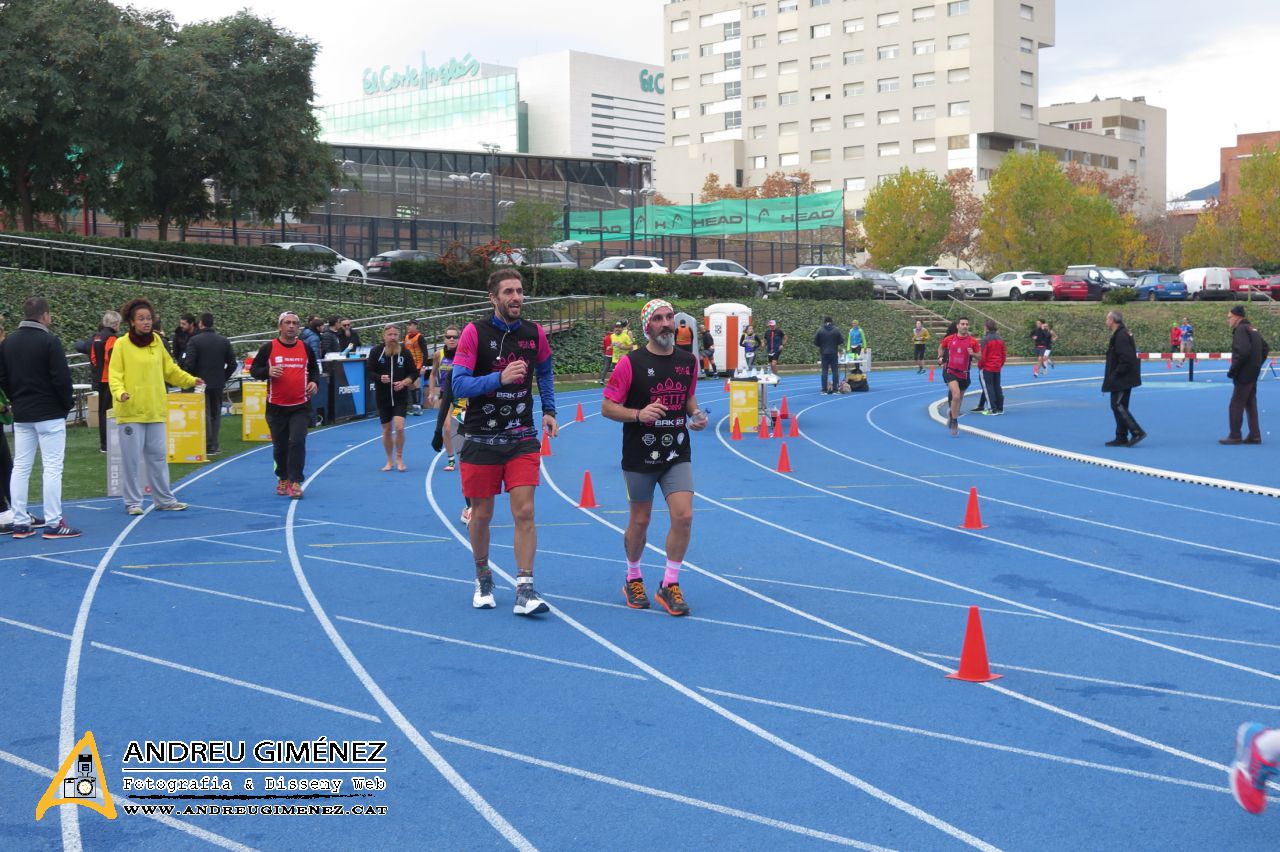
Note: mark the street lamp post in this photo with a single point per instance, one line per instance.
(476, 178)
(795, 190)
(631, 192)
(493, 149)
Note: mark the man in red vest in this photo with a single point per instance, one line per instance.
(289, 368)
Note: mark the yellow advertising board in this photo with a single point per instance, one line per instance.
(253, 423)
(744, 404)
(186, 427)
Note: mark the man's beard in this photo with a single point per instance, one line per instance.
(665, 339)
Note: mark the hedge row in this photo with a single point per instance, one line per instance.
(581, 282)
(826, 289)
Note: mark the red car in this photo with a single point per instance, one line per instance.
(1069, 288)
(1245, 281)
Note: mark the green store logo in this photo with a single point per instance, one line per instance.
(387, 79)
(652, 82)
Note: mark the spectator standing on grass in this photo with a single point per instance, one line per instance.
(35, 377)
(210, 358)
(708, 343)
(829, 339)
(990, 363)
(684, 337)
(620, 343)
(104, 340)
(857, 340)
(1248, 352)
(140, 369)
(1123, 373)
(416, 346)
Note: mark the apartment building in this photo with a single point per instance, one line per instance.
(1133, 140)
(854, 90)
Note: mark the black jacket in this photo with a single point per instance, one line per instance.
(34, 374)
(329, 342)
(1124, 371)
(829, 339)
(180, 340)
(352, 339)
(1248, 351)
(208, 356)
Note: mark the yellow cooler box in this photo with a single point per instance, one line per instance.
(253, 426)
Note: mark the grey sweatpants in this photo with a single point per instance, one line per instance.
(144, 459)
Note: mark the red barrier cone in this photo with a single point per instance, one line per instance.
(1168, 365)
(784, 414)
(973, 659)
(736, 434)
(931, 369)
(726, 385)
(588, 500)
(784, 461)
(777, 428)
(794, 431)
(578, 418)
(972, 515)
(762, 431)
(546, 445)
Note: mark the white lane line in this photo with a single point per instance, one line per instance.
(421, 574)
(234, 681)
(611, 559)
(66, 562)
(208, 591)
(789, 747)
(832, 589)
(472, 796)
(990, 596)
(367, 528)
(702, 804)
(480, 646)
(275, 516)
(34, 628)
(1120, 683)
(208, 540)
(181, 540)
(937, 735)
(69, 815)
(170, 822)
(1192, 636)
(697, 618)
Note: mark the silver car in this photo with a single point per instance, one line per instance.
(929, 282)
(631, 263)
(973, 285)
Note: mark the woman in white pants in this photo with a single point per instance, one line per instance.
(139, 371)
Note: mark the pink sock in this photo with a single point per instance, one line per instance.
(633, 570)
(672, 576)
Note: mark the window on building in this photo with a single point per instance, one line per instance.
(888, 116)
(984, 174)
(789, 128)
(888, 149)
(791, 66)
(855, 90)
(1026, 12)
(820, 155)
(960, 41)
(758, 72)
(1027, 111)
(924, 13)
(819, 31)
(887, 51)
(733, 119)
(757, 41)
(923, 81)
(820, 63)
(924, 146)
(855, 184)
(813, 3)
(854, 57)
(679, 54)
(706, 108)
(958, 143)
(924, 113)
(759, 101)
(855, 120)
(760, 161)
(855, 152)
(706, 20)
(758, 131)
(888, 19)
(822, 186)
(922, 47)
(787, 5)
(958, 75)
(706, 79)
(957, 7)
(680, 25)
(788, 36)
(732, 59)
(679, 112)
(887, 84)
(819, 125)
(732, 30)
(680, 140)
(788, 98)
(679, 84)
(1026, 78)
(1086, 124)
(958, 108)
(1026, 45)
(732, 90)
(788, 160)
(820, 93)
(758, 10)
(854, 25)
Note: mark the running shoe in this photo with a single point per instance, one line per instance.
(634, 592)
(482, 597)
(295, 490)
(527, 600)
(954, 425)
(133, 510)
(451, 465)
(1249, 773)
(23, 531)
(61, 531)
(172, 507)
(466, 516)
(672, 599)
(282, 488)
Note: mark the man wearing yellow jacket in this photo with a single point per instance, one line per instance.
(139, 370)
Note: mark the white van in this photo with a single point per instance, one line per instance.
(1208, 282)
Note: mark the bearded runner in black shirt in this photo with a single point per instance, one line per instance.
(652, 392)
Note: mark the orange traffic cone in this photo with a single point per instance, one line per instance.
(546, 445)
(794, 431)
(784, 414)
(1168, 365)
(726, 385)
(578, 418)
(736, 434)
(777, 428)
(972, 514)
(784, 461)
(762, 431)
(588, 500)
(973, 659)
(931, 369)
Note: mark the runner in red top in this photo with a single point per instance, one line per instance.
(955, 353)
(290, 370)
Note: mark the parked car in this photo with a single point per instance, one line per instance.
(971, 284)
(928, 282)
(1017, 286)
(379, 266)
(631, 263)
(1107, 276)
(724, 268)
(546, 258)
(813, 272)
(883, 285)
(1207, 282)
(1071, 288)
(1246, 282)
(342, 267)
(1161, 286)
(774, 280)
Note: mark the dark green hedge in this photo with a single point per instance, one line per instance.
(581, 282)
(822, 289)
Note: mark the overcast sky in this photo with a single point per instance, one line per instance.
(1212, 65)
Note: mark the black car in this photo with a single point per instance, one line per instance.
(379, 266)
